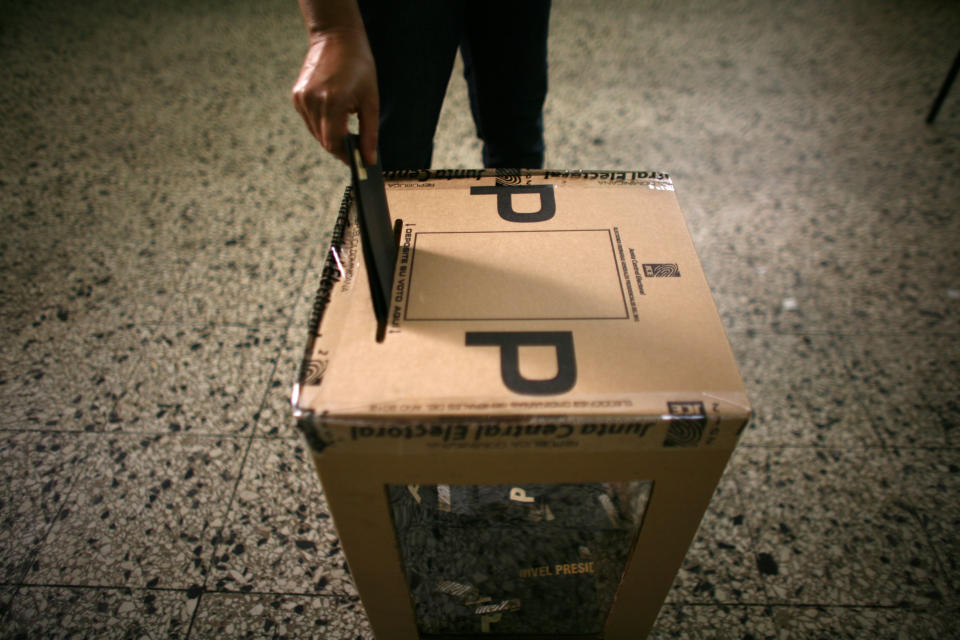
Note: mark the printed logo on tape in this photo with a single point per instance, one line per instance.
(686, 424)
(661, 270)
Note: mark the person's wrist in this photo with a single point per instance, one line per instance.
(345, 34)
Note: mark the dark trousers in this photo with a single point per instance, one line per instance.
(504, 50)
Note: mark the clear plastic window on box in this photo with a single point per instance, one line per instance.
(516, 559)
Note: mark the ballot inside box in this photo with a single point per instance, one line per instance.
(507, 559)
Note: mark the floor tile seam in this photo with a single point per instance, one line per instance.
(213, 323)
(854, 606)
(34, 553)
(78, 330)
(7, 428)
(168, 432)
(933, 549)
(175, 288)
(799, 605)
(202, 325)
(734, 245)
(216, 540)
(73, 487)
(264, 398)
(753, 533)
(283, 345)
(923, 447)
(354, 598)
(885, 447)
(848, 447)
(155, 328)
(860, 400)
(204, 593)
(217, 535)
(773, 331)
(96, 587)
(172, 434)
(866, 409)
(819, 447)
(243, 462)
(196, 611)
(134, 368)
(281, 594)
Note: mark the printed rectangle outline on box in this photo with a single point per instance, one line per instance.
(613, 257)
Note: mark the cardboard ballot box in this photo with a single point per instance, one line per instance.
(532, 444)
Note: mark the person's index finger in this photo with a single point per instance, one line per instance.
(308, 117)
(333, 128)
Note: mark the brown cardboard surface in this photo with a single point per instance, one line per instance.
(463, 269)
(544, 328)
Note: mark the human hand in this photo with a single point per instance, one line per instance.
(338, 77)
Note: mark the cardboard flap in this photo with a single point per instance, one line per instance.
(558, 295)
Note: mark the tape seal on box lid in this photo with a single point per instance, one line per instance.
(508, 177)
(651, 405)
(687, 424)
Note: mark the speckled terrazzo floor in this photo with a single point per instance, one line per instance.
(164, 214)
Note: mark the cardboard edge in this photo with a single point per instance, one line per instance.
(329, 276)
(728, 413)
(508, 175)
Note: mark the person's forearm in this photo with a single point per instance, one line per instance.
(324, 16)
(338, 77)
